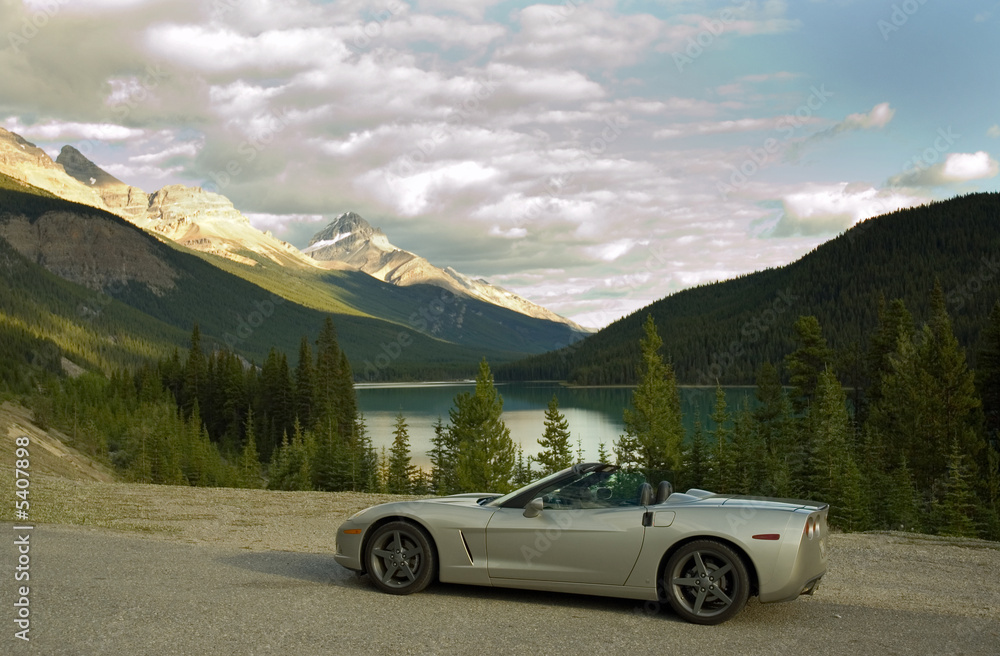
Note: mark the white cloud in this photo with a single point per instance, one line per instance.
(72, 131)
(994, 131)
(876, 119)
(830, 209)
(471, 8)
(612, 250)
(732, 126)
(574, 34)
(956, 168)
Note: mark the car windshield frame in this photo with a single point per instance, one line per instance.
(519, 498)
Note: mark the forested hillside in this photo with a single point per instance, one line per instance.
(102, 318)
(724, 331)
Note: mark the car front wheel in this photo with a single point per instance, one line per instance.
(706, 582)
(400, 559)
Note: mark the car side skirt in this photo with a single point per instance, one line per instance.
(620, 591)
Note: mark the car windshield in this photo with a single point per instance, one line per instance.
(596, 489)
(499, 501)
(592, 485)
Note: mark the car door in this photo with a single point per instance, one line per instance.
(581, 545)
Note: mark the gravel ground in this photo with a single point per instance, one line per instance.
(904, 571)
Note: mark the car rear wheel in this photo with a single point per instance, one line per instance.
(400, 559)
(706, 582)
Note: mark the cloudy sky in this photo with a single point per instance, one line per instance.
(591, 155)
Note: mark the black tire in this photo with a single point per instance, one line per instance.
(400, 559)
(706, 582)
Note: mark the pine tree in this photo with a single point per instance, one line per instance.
(557, 452)
(653, 428)
(195, 373)
(328, 411)
(400, 470)
(522, 469)
(957, 505)
(807, 362)
(832, 439)
(721, 475)
(305, 386)
(486, 454)
(749, 465)
(777, 431)
(602, 453)
(249, 463)
(894, 323)
(928, 400)
(292, 468)
(275, 404)
(696, 460)
(383, 470)
(903, 501)
(851, 513)
(444, 461)
(421, 483)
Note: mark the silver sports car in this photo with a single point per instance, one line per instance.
(600, 530)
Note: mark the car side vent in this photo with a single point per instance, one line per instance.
(468, 552)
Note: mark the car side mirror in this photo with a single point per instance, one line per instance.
(534, 507)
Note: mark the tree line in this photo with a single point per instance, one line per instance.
(917, 447)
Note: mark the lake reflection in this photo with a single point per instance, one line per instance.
(594, 413)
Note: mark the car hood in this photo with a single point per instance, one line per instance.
(471, 499)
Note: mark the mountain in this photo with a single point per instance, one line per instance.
(388, 332)
(191, 216)
(124, 200)
(201, 220)
(209, 223)
(723, 332)
(109, 294)
(349, 241)
(24, 161)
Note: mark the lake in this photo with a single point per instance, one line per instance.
(594, 413)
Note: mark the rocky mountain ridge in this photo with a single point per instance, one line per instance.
(190, 216)
(350, 240)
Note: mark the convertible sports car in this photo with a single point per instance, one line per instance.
(600, 530)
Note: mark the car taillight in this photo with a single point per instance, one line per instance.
(811, 529)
